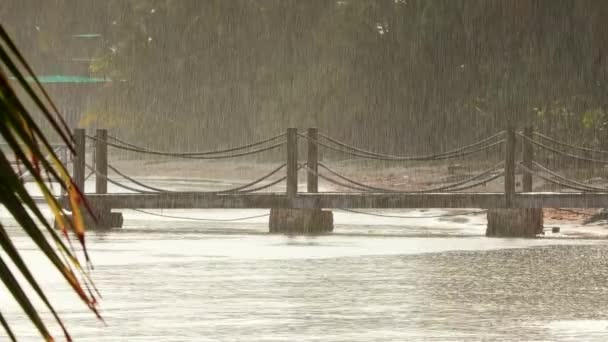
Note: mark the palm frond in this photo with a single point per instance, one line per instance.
(34, 153)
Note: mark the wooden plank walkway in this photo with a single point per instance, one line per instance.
(198, 200)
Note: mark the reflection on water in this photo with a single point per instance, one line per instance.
(185, 281)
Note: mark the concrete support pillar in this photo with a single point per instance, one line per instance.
(105, 218)
(515, 222)
(301, 221)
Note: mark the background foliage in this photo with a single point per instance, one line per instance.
(402, 75)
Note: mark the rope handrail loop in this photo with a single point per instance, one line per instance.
(120, 141)
(239, 189)
(412, 158)
(198, 218)
(367, 188)
(236, 189)
(110, 180)
(335, 182)
(134, 181)
(193, 155)
(565, 154)
(581, 148)
(456, 185)
(263, 187)
(392, 157)
(413, 217)
(574, 186)
(557, 175)
(204, 153)
(266, 186)
(552, 181)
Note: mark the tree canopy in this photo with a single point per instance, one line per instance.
(397, 74)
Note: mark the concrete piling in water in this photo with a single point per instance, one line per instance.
(516, 222)
(301, 221)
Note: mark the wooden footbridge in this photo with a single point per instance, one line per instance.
(358, 195)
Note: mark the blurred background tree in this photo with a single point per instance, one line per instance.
(405, 76)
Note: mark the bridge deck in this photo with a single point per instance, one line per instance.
(194, 200)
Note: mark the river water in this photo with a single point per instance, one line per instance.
(374, 279)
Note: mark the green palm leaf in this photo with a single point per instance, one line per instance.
(33, 151)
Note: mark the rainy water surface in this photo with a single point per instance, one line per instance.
(374, 279)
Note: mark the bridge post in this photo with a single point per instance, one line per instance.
(79, 158)
(513, 222)
(101, 161)
(63, 158)
(312, 180)
(527, 157)
(510, 167)
(105, 218)
(292, 162)
(300, 221)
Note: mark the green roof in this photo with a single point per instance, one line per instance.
(87, 35)
(67, 79)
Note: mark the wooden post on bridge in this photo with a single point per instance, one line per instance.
(63, 157)
(513, 222)
(295, 220)
(292, 162)
(79, 158)
(527, 157)
(105, 217)
(312, 180)
(101, 161)
(510, 167)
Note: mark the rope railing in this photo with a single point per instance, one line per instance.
(216, 154)
(423, 157)
(557, 175)
(412, 217)
(341, 209)
(567, 182)
(445, 187)
(189, 156)
(237, 189)
(122, 142)
(565, 154)
(338, 183)
(549, 180)
(240, 189)
(199, 218)
(440, 156)
(110, 180)
(561, 143)
(368, 188)
(135, 181)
